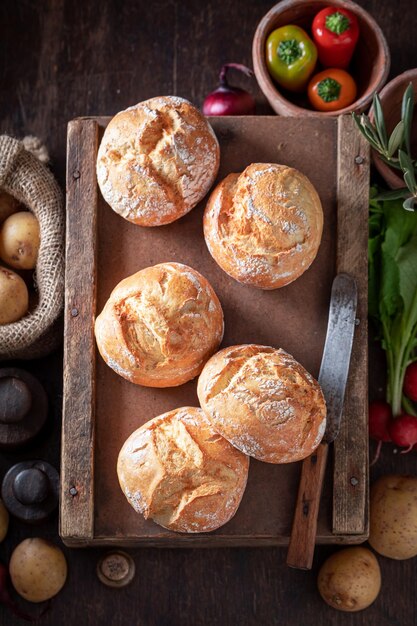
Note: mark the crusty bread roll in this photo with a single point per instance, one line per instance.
(160, 325)
(179, 472)
(157, 160)
(264, 226)
(264, 402)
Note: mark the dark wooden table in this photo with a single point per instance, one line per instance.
(62, 59)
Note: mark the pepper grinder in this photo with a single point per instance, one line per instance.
(23, 407)
(30, 490)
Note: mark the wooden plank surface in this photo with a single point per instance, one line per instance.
(294, 318)
(77, 475)
(60, 60)
(351, 471)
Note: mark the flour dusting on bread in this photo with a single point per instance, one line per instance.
(264, 402)
(264, 226)
(179, 472)
(160, 325)
(157, 160)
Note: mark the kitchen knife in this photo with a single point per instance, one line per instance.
(332, 378)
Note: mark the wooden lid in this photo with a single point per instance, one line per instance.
(30, 490)
(23, 407)
(116, 569)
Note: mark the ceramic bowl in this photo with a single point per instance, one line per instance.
(369, 66)
(391, 97)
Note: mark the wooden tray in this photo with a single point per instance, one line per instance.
(101, 409)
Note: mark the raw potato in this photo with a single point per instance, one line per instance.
(4, 521)
(14, 297)
(19, 240)
(393, 516)
(350, 579)
(8, 205)
(38, 569)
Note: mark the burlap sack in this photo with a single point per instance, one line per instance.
(23, 176)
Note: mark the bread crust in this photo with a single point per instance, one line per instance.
(179, 472)
(157, 160)
(264, 226)
(264, 402)
(160, 325)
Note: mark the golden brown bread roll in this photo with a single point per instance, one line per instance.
(179, 472)
(157, 160)
(160, 325)
(264, 226)
(264, 402)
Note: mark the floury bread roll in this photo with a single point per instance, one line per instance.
(264, 402)
(264, 226)
(179, 472)
(160, 325)
(157, 160)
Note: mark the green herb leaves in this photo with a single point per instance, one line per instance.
(394, 150)
(392, 254)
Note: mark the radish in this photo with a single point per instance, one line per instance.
(380, 416)
(403, 431)
(410, 381)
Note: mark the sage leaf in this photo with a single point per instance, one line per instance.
(410, 204)
(408, 170)
(396, 138)
(380, 122)
(407, 109)
(393, 194)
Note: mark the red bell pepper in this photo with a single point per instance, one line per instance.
(335, 32)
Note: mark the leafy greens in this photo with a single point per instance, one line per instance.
(392, 255)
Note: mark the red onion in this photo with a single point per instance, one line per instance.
(7, 601)
(228, 100)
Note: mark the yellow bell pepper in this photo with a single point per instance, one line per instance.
(291, 57)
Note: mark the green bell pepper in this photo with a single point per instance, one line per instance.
(290, 57)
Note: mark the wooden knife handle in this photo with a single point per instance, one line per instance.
(304, 528)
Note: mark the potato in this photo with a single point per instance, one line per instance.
(14, 296)
(8, 205)
(38, 569)
(19, 240)
(350, 579)
(393, 516)
(4, 521)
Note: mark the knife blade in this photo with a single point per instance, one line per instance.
(335, 361)
(333, 376)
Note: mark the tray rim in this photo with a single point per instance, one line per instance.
(350, 481)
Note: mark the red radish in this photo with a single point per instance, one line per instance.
(410, 381)
(403, 431)
(380, 415)
(228, 100)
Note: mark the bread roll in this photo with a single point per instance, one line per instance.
(160, 325)
(263, 402)
(157, 160)
(179, 472)
(264, 226)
